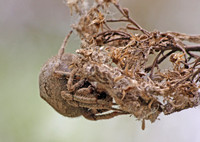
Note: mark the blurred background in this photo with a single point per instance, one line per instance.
(32, 31)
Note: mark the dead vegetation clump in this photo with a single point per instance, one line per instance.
(117, 62)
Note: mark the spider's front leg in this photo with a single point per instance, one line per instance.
(89, 97)
(87, 101)
(95, 112)
(70, 84)
(70, 76)
(90, 115)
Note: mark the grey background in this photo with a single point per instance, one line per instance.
(32, 31)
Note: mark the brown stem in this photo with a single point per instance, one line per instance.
(131, 20)
(155, 63)
(147, 69)
(117, 20)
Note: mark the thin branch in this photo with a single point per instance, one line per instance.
(147, 69)
(117, 20)
(131, 20)
(155, 63)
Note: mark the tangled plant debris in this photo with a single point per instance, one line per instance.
(113, 75)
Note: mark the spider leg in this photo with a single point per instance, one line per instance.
(70, 80)
(62, 48)
(62, 73)
(83, 102)
(96, 114)
(77, 85)
(77, 102)
(61, 51)
(70, 75)
(86, 98)
(87, 95)
(92, 116)
(95, 106)
(72, 87)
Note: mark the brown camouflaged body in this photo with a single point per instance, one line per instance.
(51, 85)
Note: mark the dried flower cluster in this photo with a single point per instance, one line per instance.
(119, 63)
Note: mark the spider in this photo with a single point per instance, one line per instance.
(68, 94)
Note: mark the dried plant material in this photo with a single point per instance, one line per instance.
(79, 6)
(114, 65)
(70, 96)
